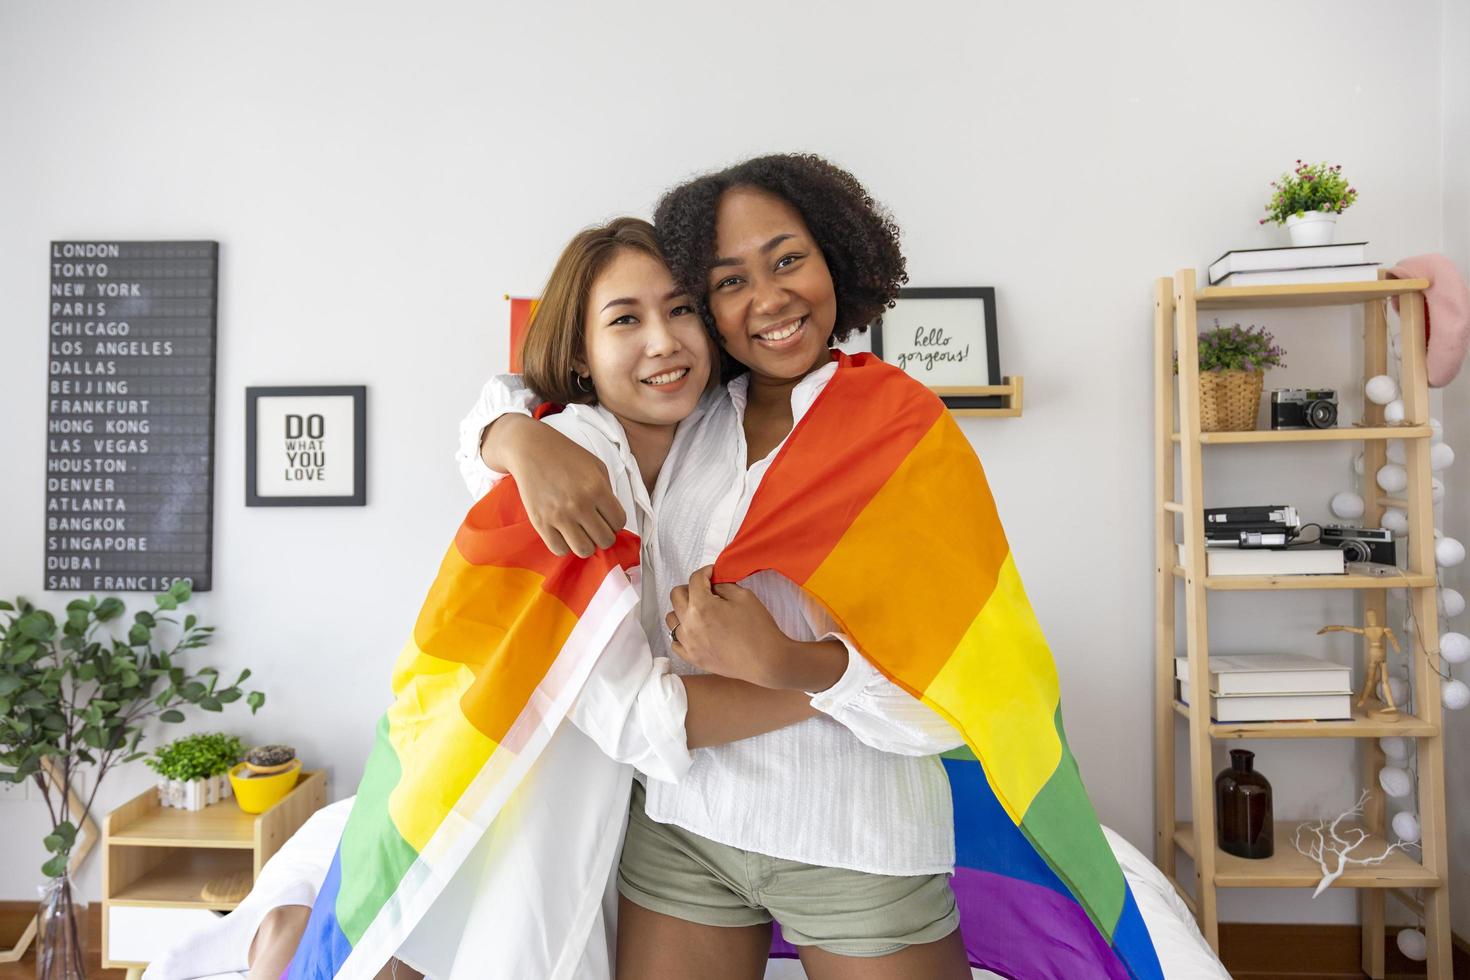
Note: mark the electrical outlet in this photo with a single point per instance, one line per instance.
(15, 792)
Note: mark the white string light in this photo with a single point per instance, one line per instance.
(1399, 777)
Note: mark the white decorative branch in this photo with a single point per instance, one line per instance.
(1326, 840)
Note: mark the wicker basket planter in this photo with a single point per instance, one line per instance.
(1229, 401)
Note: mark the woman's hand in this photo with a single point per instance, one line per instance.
(726, 630)
(564, 488)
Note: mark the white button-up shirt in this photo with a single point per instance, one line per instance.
(860, 787)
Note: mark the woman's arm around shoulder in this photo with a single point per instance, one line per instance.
(563, 487)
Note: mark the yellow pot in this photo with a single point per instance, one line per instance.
(257, 794)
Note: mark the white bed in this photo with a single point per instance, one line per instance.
(217, 951)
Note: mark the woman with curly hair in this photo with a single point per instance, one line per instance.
(838, 828)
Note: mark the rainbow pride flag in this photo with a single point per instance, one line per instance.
(521, 311)
(502, 646)
(896, 533)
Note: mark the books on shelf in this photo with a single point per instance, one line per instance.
(1273, 687)
(1271, 673)
(1297, 560)
(1290, 258)
(1279, 707)
(1364, 272)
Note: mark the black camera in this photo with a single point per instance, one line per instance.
(1304, 408)
(1371, 544)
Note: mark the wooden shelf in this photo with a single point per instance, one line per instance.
(1247, 583)
(157, 860)
(178, 880)
(1303, 294)
(221, 825)
(1287, 868)
(1361, 726)
(1357, 433)
(1011, 392)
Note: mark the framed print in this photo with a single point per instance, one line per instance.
(944, 338)
(306, 447)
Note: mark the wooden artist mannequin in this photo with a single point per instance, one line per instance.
(1377, 672)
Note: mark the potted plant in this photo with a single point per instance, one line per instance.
(194, 770)
(1232, 366)
(1308, 200)
(77, 690)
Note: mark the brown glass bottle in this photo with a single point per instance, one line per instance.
(1243, 808)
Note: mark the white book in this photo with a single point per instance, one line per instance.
(1271, 673)
(1289, 257)
(1301, 560)
(1279, 707)
(1364, 272)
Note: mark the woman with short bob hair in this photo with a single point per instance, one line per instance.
(616, 340)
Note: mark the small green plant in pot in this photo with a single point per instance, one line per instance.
(1232, 369)
(194, 770)
(1308, 200)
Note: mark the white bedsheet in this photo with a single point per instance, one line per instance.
(219, 951)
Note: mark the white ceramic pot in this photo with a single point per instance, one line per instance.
(1311, 227)
(194, 794)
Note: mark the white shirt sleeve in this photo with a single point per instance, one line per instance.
(880, 713)
(633, 706)
(503, 394)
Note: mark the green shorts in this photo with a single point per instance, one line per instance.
(667, 869)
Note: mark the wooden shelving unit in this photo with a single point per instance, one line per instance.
(157, 862)
(1176, 304)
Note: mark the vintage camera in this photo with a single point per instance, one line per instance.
(1303, 408)
(1371, 544)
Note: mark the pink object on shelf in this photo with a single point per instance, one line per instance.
(1446, 314)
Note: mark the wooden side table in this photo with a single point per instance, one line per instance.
(157, 861)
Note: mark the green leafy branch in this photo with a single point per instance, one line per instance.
(79, 690)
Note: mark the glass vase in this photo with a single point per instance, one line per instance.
(1243, 820)
(61, 932)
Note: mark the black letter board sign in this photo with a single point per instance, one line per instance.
(130, 415)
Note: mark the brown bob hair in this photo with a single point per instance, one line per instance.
(556, 337)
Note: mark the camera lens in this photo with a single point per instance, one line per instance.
(1322, 415)
(1355, 551)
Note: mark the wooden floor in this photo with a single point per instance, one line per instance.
(1256, 951)
(13, 921)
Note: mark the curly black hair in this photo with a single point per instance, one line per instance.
(857, 236)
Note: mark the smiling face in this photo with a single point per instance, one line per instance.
(646, 351)
(770, 291)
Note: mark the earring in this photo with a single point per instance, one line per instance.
(584, 383)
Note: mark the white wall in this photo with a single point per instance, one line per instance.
(379, 174)
(1456, 512)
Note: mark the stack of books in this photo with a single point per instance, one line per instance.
(1294, 264)
(1301, 559)
(1273, 687)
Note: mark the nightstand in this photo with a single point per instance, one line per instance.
(157, 862)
